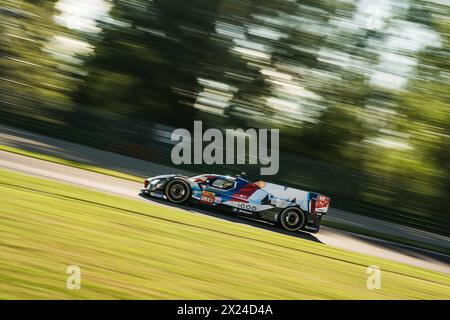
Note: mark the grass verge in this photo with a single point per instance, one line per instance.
(131, 249)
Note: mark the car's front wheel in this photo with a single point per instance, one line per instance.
(292, 219)
(178, 191)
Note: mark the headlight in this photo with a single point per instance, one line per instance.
(157, 183)
(154, 182)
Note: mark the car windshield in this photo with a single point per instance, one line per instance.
(222, 183)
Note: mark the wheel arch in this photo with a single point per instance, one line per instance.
(297, 208)
(173, 181)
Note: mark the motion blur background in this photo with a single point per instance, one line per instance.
(358, 88)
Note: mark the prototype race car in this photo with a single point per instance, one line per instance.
(291, 208)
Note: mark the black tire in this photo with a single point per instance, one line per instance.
(292, 219)
(178, 191)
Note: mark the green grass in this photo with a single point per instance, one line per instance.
(132, 249)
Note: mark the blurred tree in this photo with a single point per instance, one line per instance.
(426, 107)
(31, 80)
(148, 62)
(316, 53)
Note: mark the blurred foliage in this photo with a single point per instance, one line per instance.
(358, 88)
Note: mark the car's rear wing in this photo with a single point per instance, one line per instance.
(308, 201)
(319, 203)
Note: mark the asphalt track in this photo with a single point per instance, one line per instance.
(327, 236)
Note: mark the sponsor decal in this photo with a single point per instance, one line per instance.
(247, 206)
(207, 197)
(322, 202)
(245, 192)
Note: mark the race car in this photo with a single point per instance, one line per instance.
(290, 208)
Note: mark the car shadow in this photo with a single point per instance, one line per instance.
(222, 214)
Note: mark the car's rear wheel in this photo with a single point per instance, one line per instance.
(292, 219)
(178, 191)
